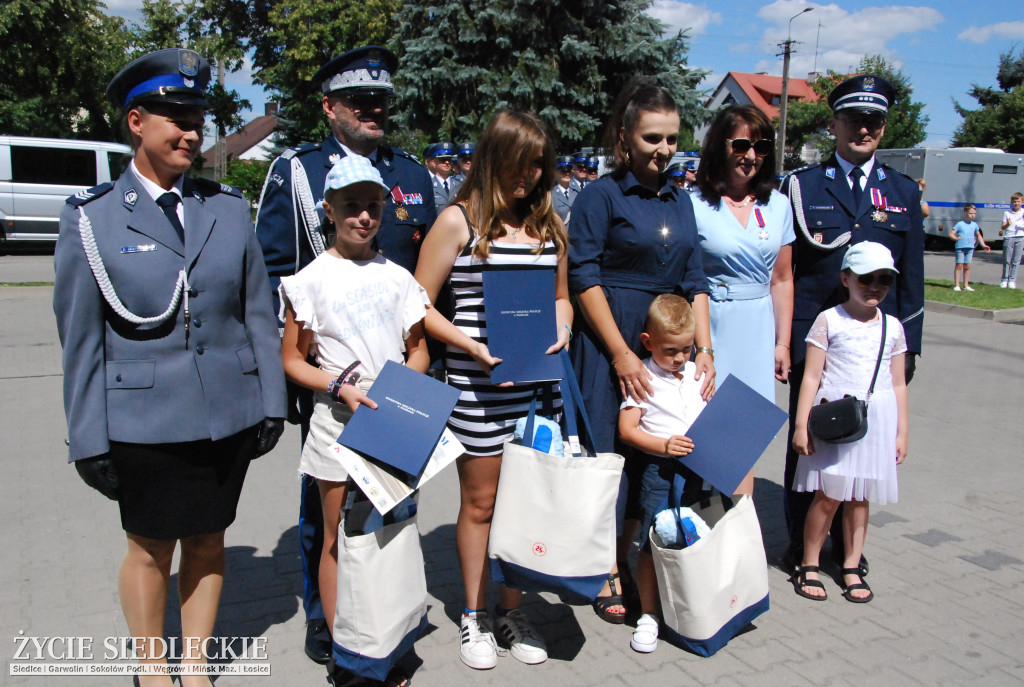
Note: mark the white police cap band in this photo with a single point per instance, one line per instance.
(360, 78)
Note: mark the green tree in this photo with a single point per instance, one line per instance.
(464, 59)
(999, 122)
(297, 38)
(247, 175)
(807, 122)
(58, 56)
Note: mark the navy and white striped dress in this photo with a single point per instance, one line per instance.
(486, 415)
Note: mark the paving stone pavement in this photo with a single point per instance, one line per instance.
(946, 562)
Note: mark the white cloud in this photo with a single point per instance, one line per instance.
(129, 9)
(866, 31)
(982, 34)
(684, 15)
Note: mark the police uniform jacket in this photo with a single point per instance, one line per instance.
(562, 203)
(141, 383)
(443, 196)
(287, 247)
(824, 212)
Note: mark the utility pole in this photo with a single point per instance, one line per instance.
(784, 105)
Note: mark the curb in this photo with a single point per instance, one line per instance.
(1008, 315)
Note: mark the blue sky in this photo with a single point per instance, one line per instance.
(942, 47)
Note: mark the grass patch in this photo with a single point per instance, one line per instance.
(984, 296)
(26, 283)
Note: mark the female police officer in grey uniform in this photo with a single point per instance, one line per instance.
(172, 363)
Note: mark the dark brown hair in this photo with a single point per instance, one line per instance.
(511, 144)
(713, 173)
(638, 96)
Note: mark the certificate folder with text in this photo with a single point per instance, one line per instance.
(731, 433)
(521, 325)
(412, 410)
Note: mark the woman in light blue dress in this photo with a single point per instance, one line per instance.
(746, 236)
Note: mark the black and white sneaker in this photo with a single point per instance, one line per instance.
(479, 650)
(524, 644)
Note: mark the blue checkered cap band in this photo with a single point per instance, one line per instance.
(863, 101)
(352, 169)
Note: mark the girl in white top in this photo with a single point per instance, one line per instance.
(841, 358)
(353, 311)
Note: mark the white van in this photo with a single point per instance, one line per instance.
(38, 174)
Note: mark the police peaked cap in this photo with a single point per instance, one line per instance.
(368, 68)
(466, 148)
(867, 93)
(172, 75)
(443, 149)
(563, 161)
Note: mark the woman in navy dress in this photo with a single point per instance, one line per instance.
(632, 236)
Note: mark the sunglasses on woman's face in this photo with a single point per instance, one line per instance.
(881, 278)
(740, 146)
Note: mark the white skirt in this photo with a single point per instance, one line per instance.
(325, 426)
(864, 470)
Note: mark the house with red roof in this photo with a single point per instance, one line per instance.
(764, 92)
(252, 141)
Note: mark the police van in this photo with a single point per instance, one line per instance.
(38, 174)
(957, 176)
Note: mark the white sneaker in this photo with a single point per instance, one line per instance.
(479, 650)
(1002, 284)
(1011, 285)
(957, 288)
(523, 642)
(645, 636)
(968, 288)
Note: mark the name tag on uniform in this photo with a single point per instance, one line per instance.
(145, 248)
(821, 207)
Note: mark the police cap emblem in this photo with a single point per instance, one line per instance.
(868, 82)
(188, 62)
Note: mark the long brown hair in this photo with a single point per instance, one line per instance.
(512, 143)
(638, 96)
(713, 173)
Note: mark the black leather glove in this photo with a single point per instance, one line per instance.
(910, 366)
(270, 431)
(100, 474)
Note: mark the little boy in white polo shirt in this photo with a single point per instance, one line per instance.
(658, 427)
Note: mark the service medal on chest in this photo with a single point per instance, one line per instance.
(401, 213)
(879, 216)
(762, 235)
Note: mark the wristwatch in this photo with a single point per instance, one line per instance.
(705, 349)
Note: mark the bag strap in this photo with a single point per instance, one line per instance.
(878, 363)
(573, 406)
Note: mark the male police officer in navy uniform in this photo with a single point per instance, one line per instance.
(357, 88)
(848, 199)
(563, 193)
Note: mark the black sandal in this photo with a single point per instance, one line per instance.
(602, 603)
(800, 580)
(851, 587)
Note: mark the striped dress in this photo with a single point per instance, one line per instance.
(486, 415)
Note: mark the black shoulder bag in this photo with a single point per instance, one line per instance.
(845, 420)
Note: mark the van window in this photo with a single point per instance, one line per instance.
(1004, 169)
(117, 163)
(61, 166)
(973, 167)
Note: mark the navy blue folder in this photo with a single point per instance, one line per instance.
(412, 410)
(521, 325)
(731, 433)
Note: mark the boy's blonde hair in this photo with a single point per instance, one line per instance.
(1018, 195)
(969, 206)
(669, 314)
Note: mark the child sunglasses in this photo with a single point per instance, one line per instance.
(881, 278)
(740, 146)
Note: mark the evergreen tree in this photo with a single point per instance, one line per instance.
(462, 60)
(808, 121)
(999, 122)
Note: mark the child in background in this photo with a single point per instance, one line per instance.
(841, 358)
(658, 427)
(1013, 240)
(354, 311)
(967, 234)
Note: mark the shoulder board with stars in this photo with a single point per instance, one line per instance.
(805, 168)
(200, 188)
(300, 150)
(89, 194)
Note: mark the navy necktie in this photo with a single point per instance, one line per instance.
(855, 175)
(169, 203)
